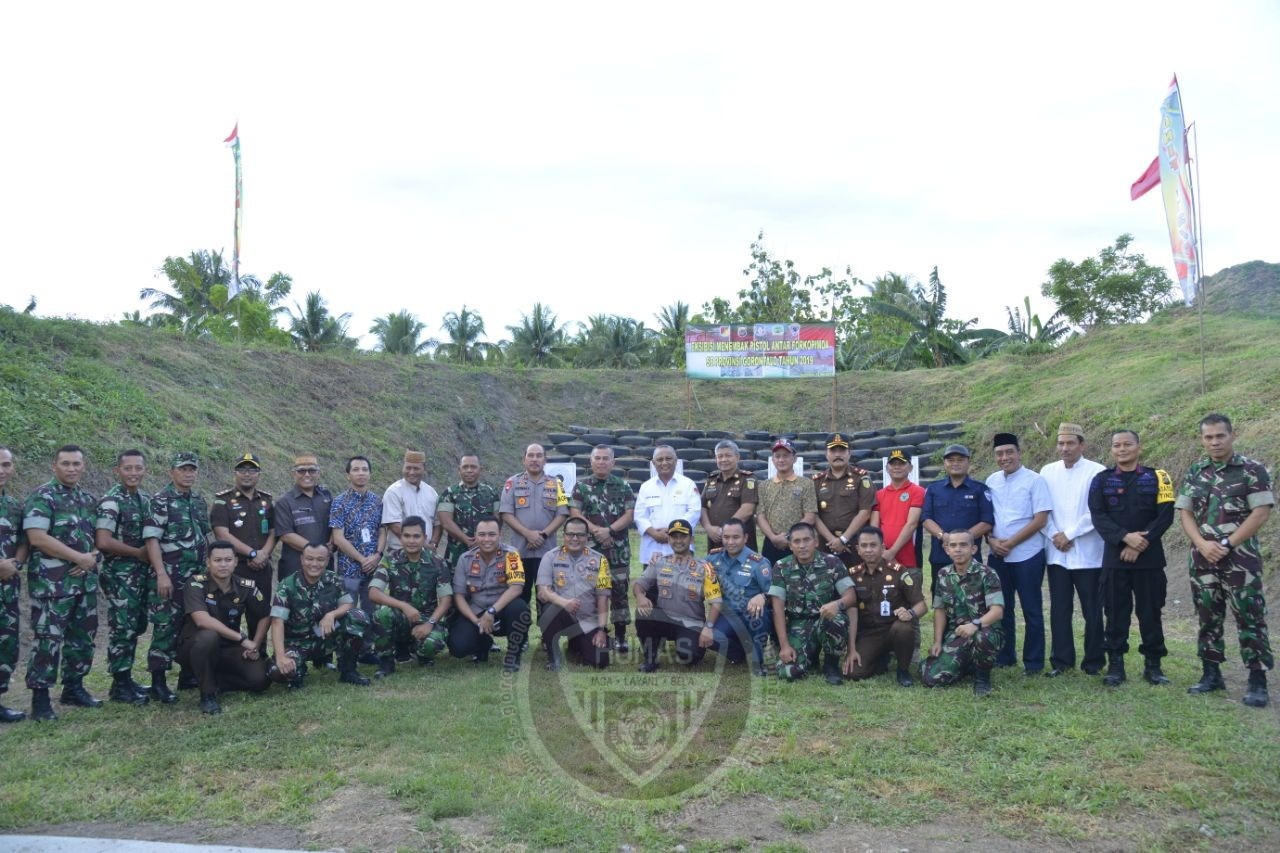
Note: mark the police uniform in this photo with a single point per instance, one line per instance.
(722, 496)
(535, 504)
(251, 519)
(966, 598)
(582, 578)
(841, 499)
(217, 662)
(881, 591)
(603, 502)
(742, 577)
(680, 588)
(481, 581)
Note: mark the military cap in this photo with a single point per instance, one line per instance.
(956, 449)
(248, 460)
(898, 456)
(837, 440)
(680, 526)
(183, 458)
(783, 443)
(1003, 438)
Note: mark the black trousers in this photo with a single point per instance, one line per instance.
(513, 623)
(1127, 590)
(555, 621)
(773, 553)
(220, 665)
(1064, 586)
(653, 631)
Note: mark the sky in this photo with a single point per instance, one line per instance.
(615, 158)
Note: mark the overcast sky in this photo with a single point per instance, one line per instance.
(611, 157)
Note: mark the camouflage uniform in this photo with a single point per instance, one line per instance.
(124, 579)
(603, 502)
(181, 524)
(467, 505)
(64, 608)
(965, 597)
(423, 584)
(1219, 498)
(10, 590)
(301, 606)
(802, 591)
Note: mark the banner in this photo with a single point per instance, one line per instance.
(760, 351)
(234, 141)
(1175, 185)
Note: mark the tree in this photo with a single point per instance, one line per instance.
(465, 328)
(775, 294)
(199, 301)
(538, 341)
(1115, 287)
(398, 333)
(673, 320)
(933, 339)
(1028, 334)
(314, 329)
(613, 341)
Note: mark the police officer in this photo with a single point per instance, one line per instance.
(488, 586)
(728, 493)
(244, 515)
(812, 597)
(312, 616)
(212, 646)
(13, 552)
(968, 606)
(672, 597)
(534, 505)
(608, 505)
(121, 515)
(574, 586)
(845, 501)
(1131, 507)
(412, 593)
(745, 578)
(890, 604)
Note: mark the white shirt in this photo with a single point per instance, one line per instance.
(402, 500)
(1069, 490)
(1016, 498)
(658, 504)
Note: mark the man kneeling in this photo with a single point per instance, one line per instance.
(890, 604)
(574, 586)
(967, 608)
(487, 583)
(672, 597)
(412, 594)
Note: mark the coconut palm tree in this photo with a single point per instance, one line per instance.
(314, 329)
(465, 328)
(538, 341)
(399, 332)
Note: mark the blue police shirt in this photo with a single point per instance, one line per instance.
(742, 577)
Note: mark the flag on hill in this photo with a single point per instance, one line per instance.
(234, 141)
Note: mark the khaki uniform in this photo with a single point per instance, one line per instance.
(722, 496)
(840, 499)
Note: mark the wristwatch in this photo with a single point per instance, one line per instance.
(977, 623)
(491, 611)
(253, 554)
(1225, 542)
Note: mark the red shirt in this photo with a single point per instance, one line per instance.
(893, 506)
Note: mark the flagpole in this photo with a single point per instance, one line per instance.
(1199, 223)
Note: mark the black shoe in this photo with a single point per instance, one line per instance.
(352, 676)
(1152, 674)
(1210, 680)
(368, 658)
(904, 679)
(1115, 672)
(10, 715)
(41, 709)
(126, 690)
(160, 690)
(404, 654)
(209, 703)
(1091, 669)
(982, 682)
(187, 680)
(1054, 673)
(75, 694)
(649, 667)
(832, 675)
(511, 663)
(621, 646)
(386, 666)
(1256, 695)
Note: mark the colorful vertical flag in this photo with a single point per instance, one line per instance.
(234, 141)
(1175, 185)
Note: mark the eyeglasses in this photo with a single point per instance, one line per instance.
(568, 535)
(306, 470)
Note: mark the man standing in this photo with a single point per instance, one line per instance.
(845, 501)
(63, 581)
(126, 573)
(897, 512)
(312, 615)
(460, 506)
(13, 551)
(728, 493)
(890, 604)
(785, 501)
(411, 496)
(607, 504)
(661, 500)
(967, 609)
(1132, 507)
(1224, 500)
(1074, 553)
(745, 578)
(177, 538)
(573, 584)
(681, 587)
(487, 585)
(358, 535)
(534, 505)
(812, 599)
(413, 593)
(301, 515)
(955, 502)
(245, 516)
(1022, 506)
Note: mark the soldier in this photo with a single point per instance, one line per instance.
(745, 578)
(212, 646)
(967, 628)
(1132, 507)
(573, 583)
(681, 586)
(13, 553)
(126, 573)
(728, 493)
(63, 581)
(312, 616)
(244, 515)
(534, 505)
(413, 593)
(812, 595)
(890, 604)
(301, 514)
(177, 537)
(488, 582)
(608, 505)
(1224, 500)
(411, 496)
(460, 506)
(845, 500)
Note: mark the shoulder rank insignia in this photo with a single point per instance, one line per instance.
(199, 578)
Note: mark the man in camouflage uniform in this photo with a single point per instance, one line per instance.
(412, 593)
(1224, 500)
(13, 552)
(967, 608)
(121, 515)
(890, 604)
(312, 615)
(845, 501)
(63, 580)
(461, 505)
(608, 505)
(812, 595)
(177, 539)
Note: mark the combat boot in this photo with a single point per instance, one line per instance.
(1256, 695)
(11, 715)
(1152, 674)
(347, 672)
(511, 662)
(125, 689)
(160, 689)
(209, 703)
(73, 693)
(187, 680)
(620, 638)
(41, 708)
(404, 652)
(386, 666)
(982, 682)
(831, 672)
(904, 678)
(1115, 671)
(1210, 680)
(555, 657)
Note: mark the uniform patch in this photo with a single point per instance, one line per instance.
(907, 580)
